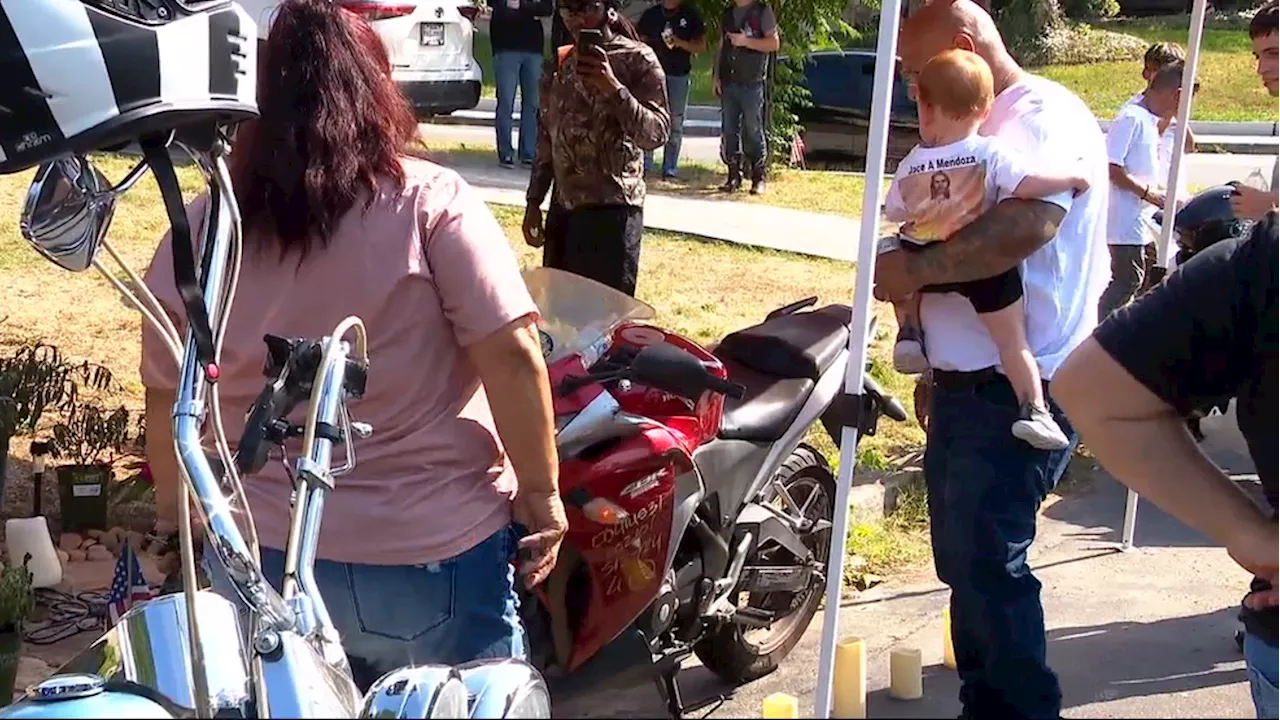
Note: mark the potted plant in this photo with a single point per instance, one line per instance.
(32, 380)
(16, 599)
(93, 439)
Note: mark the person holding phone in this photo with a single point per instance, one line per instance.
(604, 103)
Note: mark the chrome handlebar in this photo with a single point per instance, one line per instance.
(299, 609)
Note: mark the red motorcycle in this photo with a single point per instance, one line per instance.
(698, 520)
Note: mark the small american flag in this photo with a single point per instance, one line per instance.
(797, 152)
(128, 586)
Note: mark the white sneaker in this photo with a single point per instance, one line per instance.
(909, 357)
(1037, 428)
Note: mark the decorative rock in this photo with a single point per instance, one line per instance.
(112, 542)
(70, 541)
(63, 557)
(95, 534)
(88, 543)
(99, 552)
(76, 555)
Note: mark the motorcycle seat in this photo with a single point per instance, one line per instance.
(801, 345)
(769, 406)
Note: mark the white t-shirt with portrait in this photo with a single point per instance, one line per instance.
(1133, 143)
(1048, 127)
(938, 190)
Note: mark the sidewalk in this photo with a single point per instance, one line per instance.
(763, 226)
(704, 121)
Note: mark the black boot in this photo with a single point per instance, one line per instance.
(757, 181)
(734, 183)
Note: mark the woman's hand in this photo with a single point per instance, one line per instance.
(533, 229)
(543, 515)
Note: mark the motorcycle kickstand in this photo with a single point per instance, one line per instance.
(669, 688)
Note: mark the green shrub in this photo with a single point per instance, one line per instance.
(1090, 9)
(16, 597)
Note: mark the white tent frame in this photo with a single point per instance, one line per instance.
(864, 275)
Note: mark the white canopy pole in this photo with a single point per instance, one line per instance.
(1181, 128)
(859, 329)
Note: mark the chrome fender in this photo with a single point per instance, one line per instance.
(505, 689)
(424, 691)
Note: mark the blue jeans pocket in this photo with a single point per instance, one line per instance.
(1260, 662)
(403, 602)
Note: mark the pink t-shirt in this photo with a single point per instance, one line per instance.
(429, 271)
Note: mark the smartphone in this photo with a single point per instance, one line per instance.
(589, 38)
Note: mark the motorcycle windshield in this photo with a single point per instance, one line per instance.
(578, 315)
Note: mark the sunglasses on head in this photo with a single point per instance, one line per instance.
(581, 7)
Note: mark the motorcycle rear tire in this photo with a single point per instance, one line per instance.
(725, 650)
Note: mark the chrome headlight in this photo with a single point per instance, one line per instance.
(505, 689)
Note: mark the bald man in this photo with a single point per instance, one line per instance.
(985, 486)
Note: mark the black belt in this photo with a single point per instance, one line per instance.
(957, 380)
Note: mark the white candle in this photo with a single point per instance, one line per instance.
(850, 679)
(905, 681)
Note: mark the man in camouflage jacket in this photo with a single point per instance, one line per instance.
(602, 106)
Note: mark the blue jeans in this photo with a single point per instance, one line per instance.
(1260, 660)
(985, 488)
(512, 70)
(677, 103)
(742, 126)
(390, 616)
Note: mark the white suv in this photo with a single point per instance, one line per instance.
(429, 43)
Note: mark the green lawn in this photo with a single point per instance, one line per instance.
(1229, 88)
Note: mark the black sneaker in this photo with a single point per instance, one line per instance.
(757, 187)
(732, 185)
(506, 162)
(526, 163)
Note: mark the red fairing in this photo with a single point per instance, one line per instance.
(626, 562)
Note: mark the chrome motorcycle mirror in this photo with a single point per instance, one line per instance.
(67, 212)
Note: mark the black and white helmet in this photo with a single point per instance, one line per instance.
(83, 75)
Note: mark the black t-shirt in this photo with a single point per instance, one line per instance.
(684, 22)
(515, 27)
(1209, 333)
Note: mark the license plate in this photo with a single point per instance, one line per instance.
(431, 34)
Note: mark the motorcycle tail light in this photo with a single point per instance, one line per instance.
(604, 512)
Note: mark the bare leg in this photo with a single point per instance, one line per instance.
(908, 351)
(1037, 427)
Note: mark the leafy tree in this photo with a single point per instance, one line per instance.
(802, 26)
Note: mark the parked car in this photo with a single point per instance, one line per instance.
(429, 42)
(840, 84)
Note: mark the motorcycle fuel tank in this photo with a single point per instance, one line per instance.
(82, 696)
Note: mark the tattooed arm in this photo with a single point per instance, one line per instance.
(994, 243)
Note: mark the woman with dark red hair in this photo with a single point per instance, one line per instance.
(417, 545)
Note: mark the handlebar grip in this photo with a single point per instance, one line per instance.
(726, 388)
